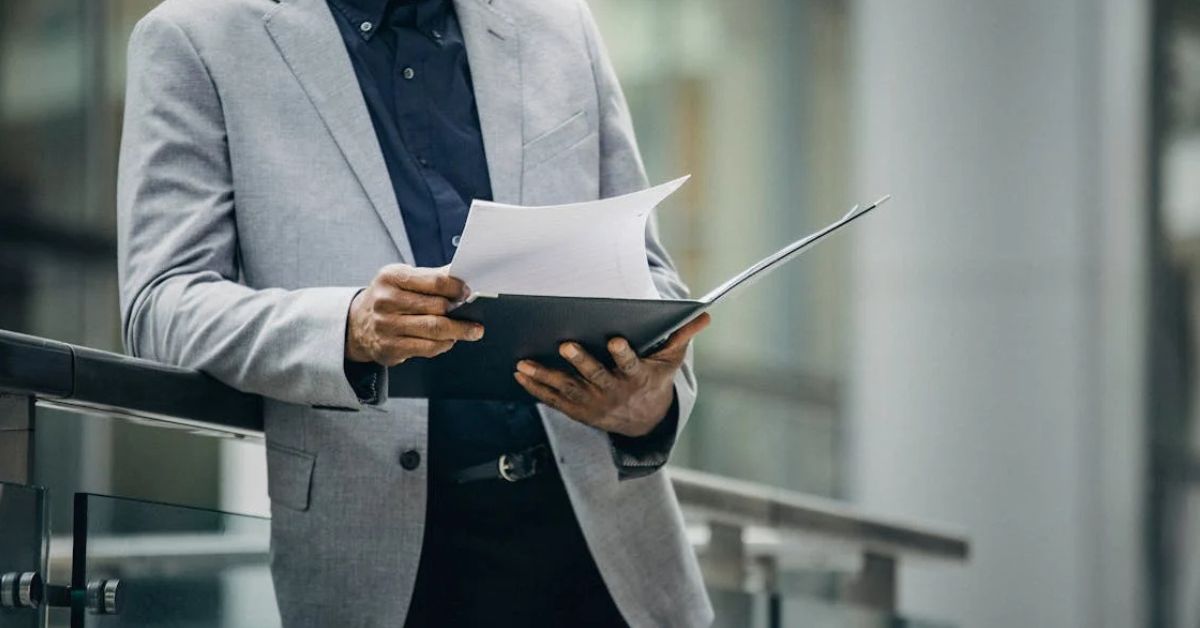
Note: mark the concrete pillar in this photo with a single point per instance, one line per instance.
(994, 375)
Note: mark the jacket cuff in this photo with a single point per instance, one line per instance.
(639, 456)
(367, 379)
(330, 308)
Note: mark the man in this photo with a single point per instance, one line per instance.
(280, 156)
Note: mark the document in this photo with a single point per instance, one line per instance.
(539, 280)
(591, 249)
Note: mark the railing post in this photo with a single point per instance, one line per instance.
(724, 563)
(768, 568)
(875, 585)
(16, 438)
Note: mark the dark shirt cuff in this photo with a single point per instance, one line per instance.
(364, 378)
(639, 456)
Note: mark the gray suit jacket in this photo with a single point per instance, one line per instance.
(254, 202)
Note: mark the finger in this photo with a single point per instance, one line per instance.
(433, 328)
(547, 395)
(433, 281)
(590, 368)
(398, 300)
(445, 270)
(567, 386)
(677, 343)
(399, 349)
(623, 355)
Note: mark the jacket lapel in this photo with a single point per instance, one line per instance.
(312, 46)
(493, 48)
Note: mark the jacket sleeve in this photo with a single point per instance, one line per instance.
(181, 300)
(622, 171)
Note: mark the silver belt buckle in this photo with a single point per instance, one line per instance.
(522, 465)
(506, 469)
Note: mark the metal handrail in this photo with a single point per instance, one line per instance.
(748, 504)
(88, 380)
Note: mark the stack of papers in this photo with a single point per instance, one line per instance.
(592, 249)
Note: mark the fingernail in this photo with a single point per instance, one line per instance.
(525, 368)
(569, 350)
(477, 332)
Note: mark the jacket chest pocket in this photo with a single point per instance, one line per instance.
(562, 165)
(559, 139)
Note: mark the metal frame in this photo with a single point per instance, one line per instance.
(1172, 362)
(17, 414)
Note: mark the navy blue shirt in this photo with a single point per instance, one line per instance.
(411, 63)
(412, 66)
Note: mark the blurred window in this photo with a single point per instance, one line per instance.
(752, 98)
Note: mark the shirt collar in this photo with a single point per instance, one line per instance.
(427, 16)
(368, 15)
(365, 15)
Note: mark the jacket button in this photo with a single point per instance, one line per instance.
(410, 459)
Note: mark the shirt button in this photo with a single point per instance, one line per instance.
(410, 459)
(455, 240)
(409, 73)
(422, 161)
(436, 34)
(366, 27)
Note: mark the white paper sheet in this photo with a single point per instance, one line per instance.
(592, 249)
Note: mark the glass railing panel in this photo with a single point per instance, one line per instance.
(802, 611)
(24, 540)
(146, 564)
(739, 609)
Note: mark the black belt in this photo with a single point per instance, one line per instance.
(512, 467)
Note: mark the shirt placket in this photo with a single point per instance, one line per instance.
(414, 92)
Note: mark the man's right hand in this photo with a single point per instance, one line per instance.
(402, 315)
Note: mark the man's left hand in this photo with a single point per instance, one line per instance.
(629, 399)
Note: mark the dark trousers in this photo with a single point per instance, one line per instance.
(502, 554)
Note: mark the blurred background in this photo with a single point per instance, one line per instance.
(1008, 346)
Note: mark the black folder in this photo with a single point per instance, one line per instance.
(526, 326)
